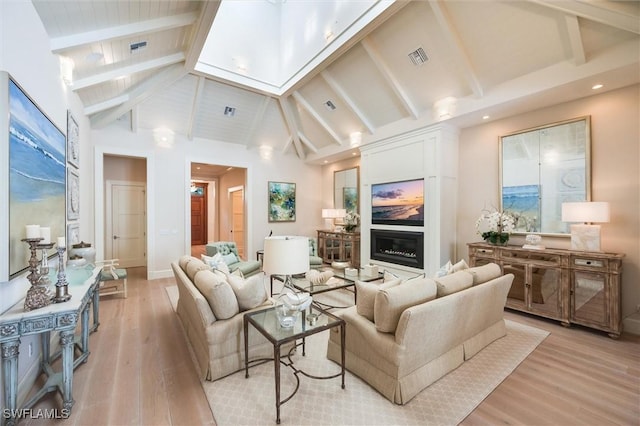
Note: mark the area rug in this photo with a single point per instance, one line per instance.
(236, 400)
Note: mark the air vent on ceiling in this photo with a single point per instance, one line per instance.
(136, 47)
(418, 56)
(229, 111)
(330, 105)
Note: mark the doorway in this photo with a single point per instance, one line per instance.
(199, 208)
(236, 196)
(125, 210)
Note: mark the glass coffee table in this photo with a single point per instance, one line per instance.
(340, 280)
(266, 322)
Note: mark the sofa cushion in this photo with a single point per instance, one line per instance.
(484, 273)
(218, 293)
(461, 265)
(184, 260)
(249, 292)
(230, 258)
(453, 283)
(390, 303)
(366, 292)
(194, 266)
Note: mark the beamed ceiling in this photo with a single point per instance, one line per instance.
(135, 64)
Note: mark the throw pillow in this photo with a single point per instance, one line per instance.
(390, 303)
(366, 295)
(218, 293)
(194, 266)
(444, 270)
(250, 292)
(459, 266)
(484, 273)
(230, 258)
(216, 262)
(453, 283)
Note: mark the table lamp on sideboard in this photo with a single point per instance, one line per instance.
(585, 236)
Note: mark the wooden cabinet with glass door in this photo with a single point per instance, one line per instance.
(570, 286)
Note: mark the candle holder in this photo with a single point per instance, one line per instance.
(38, 295)
(62, 293)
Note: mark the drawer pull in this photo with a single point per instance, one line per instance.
(587, 262)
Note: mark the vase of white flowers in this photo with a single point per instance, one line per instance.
(351, 221)
(494, 227)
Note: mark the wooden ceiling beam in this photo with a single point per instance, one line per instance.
(575, 40)
(317, 117)
(457, 47)
(342, 94)
(60, 44)
(293, 128)
(620, 14)
(384, 69)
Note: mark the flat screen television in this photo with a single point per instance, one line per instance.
(398, 203)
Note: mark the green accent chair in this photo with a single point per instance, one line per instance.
(225, 248)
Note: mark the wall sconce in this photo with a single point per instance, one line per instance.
(444, 108)
(329, 215)
(164, 137)
(355, 139)
(585, 237)
(66, 70)
(266, 152)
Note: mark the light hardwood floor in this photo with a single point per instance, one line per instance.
(140, 372)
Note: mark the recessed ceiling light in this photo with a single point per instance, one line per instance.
(354, 153)
(486, 117)
(326, 161)
(597, 86)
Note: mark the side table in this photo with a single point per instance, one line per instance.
(266, 322)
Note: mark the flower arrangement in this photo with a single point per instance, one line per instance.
(495, 226)
(351, 221)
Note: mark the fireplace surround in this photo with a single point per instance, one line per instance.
(398, 247)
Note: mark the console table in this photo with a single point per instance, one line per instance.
(339, 246)
(573, 287)
(57, 317)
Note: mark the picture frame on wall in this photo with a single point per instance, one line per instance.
(73, 141)
(73, 194)
(35, 170)
(282, 202)
(73, 233)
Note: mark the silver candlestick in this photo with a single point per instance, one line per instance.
(37, 295)
(62, 293)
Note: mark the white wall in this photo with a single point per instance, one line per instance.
(168, 176)
(615, 176)
(25, 54)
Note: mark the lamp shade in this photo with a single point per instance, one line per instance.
(286, 255)
(585, 212)
(333, 213)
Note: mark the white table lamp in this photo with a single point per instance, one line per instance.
(330, 215)
(585, 236)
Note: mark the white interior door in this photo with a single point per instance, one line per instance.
(237, 219)
(128, 223)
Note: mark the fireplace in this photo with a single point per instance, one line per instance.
(399, 247)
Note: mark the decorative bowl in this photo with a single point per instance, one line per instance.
(340, 264)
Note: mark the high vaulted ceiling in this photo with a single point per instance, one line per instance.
(135, 62)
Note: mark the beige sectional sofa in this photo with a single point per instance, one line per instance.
(211, 312)
(402, 337)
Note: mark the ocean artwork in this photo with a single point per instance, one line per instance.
(398, 203)
(282, 202)
(37, 174)
(523, 202)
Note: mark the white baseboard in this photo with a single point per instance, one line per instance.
(156, 275)
(631, 324)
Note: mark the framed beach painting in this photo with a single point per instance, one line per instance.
(36, 171)
(282, 202)
(73, 141)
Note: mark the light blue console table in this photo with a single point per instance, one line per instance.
(57, 317)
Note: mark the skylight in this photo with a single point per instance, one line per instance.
(271, 45)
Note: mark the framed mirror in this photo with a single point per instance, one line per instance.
(345, 189)
(541, 168)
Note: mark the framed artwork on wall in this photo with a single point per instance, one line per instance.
(73, 194)
(73, 233)
(35, 149)
(282, 202)
(73, 141)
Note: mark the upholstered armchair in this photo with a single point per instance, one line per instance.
(229, 252)
(315, 261)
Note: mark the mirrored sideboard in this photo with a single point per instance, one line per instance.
(573, 287)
